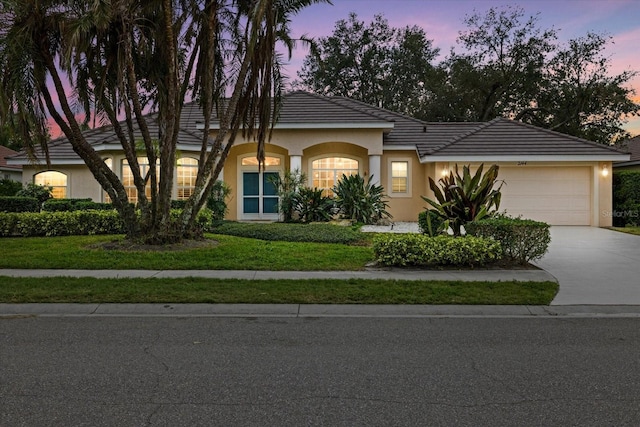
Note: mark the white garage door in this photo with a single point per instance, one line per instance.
(556, 195)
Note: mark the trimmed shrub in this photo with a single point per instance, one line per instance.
(62, 223)
(72, 223)
(420, 250)
(40, 192)
(522, 240)
(68, 205)
(430, 223)
(9, 187)
(626, 198)
(19, 204)
(289, 232)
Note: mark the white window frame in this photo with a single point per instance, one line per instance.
(332, 155)
(54, 187)
(390, 191)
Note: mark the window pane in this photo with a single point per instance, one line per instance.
(186, 174)
(56, 180)
(399, 185)
(268, 188)
(326, 172)
(268, 161)
(399, 169)
(269, 205)
(251, 205)
(251, 183)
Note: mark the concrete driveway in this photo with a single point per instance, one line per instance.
(594, 266)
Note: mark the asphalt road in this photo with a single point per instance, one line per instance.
(319, 371)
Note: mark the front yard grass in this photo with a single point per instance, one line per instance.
(231, 253)
(200, 290)
(629, 230)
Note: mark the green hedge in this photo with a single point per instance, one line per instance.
(317, 233)
(19, 204)
(68, 223)
(626, 198)
(522, 240)
(67, 205)
(420, 250)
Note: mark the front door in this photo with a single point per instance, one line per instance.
(259, 195)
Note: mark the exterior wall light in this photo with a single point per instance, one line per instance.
(605, 171)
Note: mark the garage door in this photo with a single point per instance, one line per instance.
(555, 195)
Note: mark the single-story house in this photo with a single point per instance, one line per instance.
(548, 176)
(633, 148)
(12, 172)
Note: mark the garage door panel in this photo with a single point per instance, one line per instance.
(558, 196)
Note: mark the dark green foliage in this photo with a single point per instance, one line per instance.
(430, 223)
(68, 205)
(178, 204)
(288, 188)
(312, 205)
(626, 198)
(40, 192)
(464, 198)
(360, 201)
(77, 222)
(522, 240)
(420, 250)
(19, 204)
(217, 201)
(317, 233)
(9, 187)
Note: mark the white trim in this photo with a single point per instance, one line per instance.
(349, 125)
(595, 196)
(524, 158)
(239, 182)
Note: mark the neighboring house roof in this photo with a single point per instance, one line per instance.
(499, 139)
(632, 146)
(7, 152)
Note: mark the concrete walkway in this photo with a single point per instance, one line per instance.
(594, 266)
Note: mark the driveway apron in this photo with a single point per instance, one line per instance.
(594, 266)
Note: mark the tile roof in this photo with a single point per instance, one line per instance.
(633, 148)
(504, 137)
(497, 137)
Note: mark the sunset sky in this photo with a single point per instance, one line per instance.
(442, 19)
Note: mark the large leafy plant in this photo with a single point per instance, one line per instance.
(460, 199)
(360, 201)
(313, 206)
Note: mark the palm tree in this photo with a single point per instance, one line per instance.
(125, 57)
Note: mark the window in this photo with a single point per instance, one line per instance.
(187, 172)
(127, 177)
(268, 161)
(399, 178)
(56, 180)
(328, 171)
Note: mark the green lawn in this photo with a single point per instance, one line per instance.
(630, 230)
(199, 290)
(231, 253)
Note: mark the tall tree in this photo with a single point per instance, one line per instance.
(373, 63)
(512, 68)
(125, 57)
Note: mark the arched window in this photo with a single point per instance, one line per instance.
(327, 172)
(56, 180)
(187, 171)
(127, 177)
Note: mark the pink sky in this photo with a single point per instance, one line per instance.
(442, 19)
